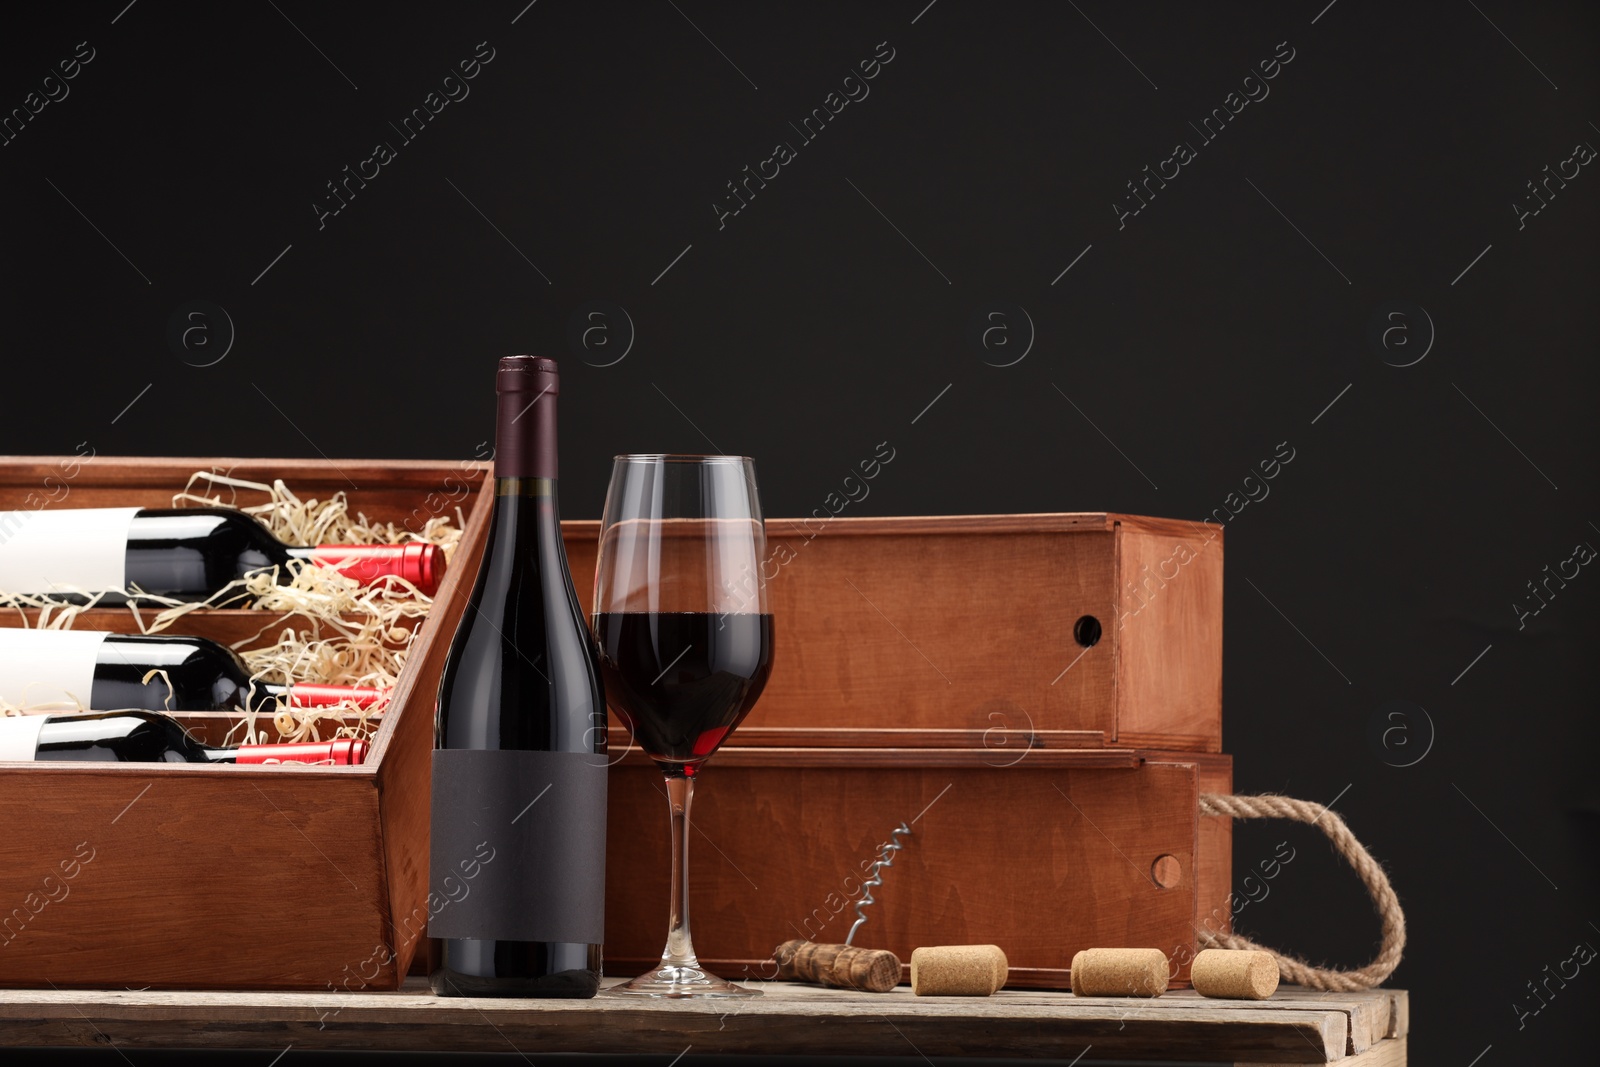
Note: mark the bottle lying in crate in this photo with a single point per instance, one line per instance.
(104, 671)
(148, 737)
(186, 554)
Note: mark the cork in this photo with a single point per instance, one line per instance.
(874, 970)
(958, 970)
(1119, 972)
(1239, 974)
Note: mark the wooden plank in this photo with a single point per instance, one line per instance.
(1400, 1013)
(1179, 871)
(1391, 1053)
(1164, 741)
(1002, 741)
(787, 1019)
(808, 756)
(1165, 527)
(903, 525)
(398, 491)
(1214, 881)
(1015, 523)
(177, 856)
(159, 472)
(1370, 1025)
(1368, 1013)
(239, 628)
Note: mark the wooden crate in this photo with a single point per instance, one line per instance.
(195, 876)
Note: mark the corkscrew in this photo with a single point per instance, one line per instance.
(875, 877)
(873, 969)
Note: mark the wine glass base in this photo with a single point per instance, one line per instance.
(679, 981)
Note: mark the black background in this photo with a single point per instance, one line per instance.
(1191, 341)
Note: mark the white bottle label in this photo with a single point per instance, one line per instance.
(19, 737)
(48, 668)
(65, 550)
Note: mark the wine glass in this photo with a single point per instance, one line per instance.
(685, 639)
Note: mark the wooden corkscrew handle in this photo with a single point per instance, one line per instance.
(874, 970)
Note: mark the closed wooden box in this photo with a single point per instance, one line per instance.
(251, 877)
(1043, 855)
(952, 626)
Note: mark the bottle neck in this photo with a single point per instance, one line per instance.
(525, 434)
(525, 513)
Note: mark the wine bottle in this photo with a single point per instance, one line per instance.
(183, 553)
(147, 737)
(519, 765)
(105, 672)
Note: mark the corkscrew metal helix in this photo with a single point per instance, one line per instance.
(875, 876)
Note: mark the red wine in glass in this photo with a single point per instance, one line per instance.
(682, 680)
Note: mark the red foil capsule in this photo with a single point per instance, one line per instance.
(303, 695)
(419, 563)
(343, 752)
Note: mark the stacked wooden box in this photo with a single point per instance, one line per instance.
(1037, 697)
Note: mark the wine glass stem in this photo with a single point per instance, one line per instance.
(680, 948)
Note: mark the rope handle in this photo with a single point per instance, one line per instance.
(1291, 968)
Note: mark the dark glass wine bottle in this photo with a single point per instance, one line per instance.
(105, 672)
(183, 553)
(520, 765)
(147, 737)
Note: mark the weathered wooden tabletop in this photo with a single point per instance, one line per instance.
(1296, 1026)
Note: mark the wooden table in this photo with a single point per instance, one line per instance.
(1296, 1026)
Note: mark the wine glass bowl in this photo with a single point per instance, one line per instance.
(683, 681)
(685, 641)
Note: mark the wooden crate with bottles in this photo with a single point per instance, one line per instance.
(192, 875)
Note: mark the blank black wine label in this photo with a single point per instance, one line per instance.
(518, 846)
